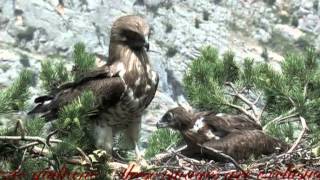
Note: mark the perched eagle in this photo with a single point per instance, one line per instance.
(124, 87)
(233, 135)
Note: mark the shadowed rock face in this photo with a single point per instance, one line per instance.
(234, 135)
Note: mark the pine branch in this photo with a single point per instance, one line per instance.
(14, 97)
(303, 131)
(241, 109)
(227, 157)
(291, 113)
(246, 101)
(40, 140)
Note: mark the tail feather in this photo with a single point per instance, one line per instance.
(42, 99)
(40, 108)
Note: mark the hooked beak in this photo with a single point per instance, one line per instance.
(161, 125)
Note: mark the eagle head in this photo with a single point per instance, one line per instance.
(177, 118)
(131, 30)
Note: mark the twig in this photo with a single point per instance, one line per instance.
(22, 159)
(19, 125)
(50, 135)
(262, 111)
(245, 100)
(304, 129)
(27, 138)
(280, 118)
(305, 89)
(85, 156)
(181, 165)
(225, 156)
(162, 156)
(40, 140)
(28, 145)
(74, 160)
(243, 111)
(257, 100)
(190, 160)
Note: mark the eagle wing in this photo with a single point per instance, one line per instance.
(106, 90)
(100, 72)
(154, 92)
(243, 144)
(228, 123)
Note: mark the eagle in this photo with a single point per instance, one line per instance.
(123, 87)
(234, 135)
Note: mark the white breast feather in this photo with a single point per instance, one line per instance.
(121, 69)
(198, 125)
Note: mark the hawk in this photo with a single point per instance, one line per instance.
(124, 86)
(233, 135)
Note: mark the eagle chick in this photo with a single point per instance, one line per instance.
(233, 135)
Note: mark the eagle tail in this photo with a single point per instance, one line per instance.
(40, 108)
(42, 99)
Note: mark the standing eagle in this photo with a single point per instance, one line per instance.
(124, 87)
(233, 135)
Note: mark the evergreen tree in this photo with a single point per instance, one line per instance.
(71, 127)
(14, 97)
(290, 92)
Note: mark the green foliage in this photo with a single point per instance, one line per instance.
(295, 89)
(73, 118)
(53, 73)
(83, 61)
(32, 166)
(14, 97)
(280, 44)
(160, 140)
(205, 78)
(34, 126)
(231, 70)
(71, 127)
(247, 73)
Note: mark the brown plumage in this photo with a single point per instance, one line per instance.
(124, 87)
(234, 135)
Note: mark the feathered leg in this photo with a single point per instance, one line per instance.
(104, 136)
(131, 136)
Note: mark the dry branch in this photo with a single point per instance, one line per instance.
(303, 131)
(162, 156)
(252, 106)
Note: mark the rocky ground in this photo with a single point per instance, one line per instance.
(33, 30)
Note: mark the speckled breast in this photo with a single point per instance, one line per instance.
(138, 94)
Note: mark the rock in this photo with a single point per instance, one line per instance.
(310, 23)
(288, 32)
(262, 35)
